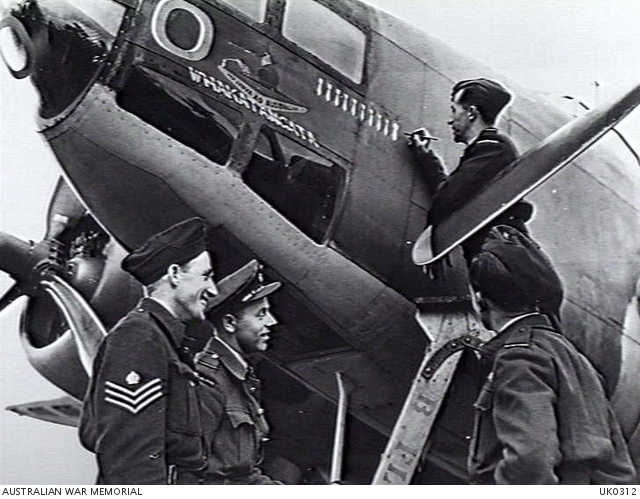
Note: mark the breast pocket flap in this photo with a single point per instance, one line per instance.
(239, 417)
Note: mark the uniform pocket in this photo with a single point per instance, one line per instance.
(236, 418)
(483, 425)
(185, 443)
(183, 407)
(246, 437)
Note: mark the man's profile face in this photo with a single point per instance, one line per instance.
(460, 123)
(253, 325)
(193, 288)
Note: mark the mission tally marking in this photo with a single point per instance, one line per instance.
(362, 111)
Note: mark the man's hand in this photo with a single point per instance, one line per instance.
(420, 139)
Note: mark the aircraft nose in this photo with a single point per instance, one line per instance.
(60, 46)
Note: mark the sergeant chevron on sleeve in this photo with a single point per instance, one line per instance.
(141, 411)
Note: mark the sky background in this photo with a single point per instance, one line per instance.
(559, 47)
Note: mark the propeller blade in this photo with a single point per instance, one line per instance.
(65, 210)
(521, 177)
(15, 256)
(86, 328)
(12, 294)
(20, 258)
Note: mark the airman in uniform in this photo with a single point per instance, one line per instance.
(231, 410)
(542, 416)
(141, 414)
(475, 107)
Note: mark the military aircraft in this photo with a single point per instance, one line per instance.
(281, 124)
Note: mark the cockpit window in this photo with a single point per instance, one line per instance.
(326, 35)
(296, 181)
(198, 121)
(255, 9)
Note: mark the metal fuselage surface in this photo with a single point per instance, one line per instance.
(242, 120)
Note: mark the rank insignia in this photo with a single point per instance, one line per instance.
(133, 378)
(133, 401)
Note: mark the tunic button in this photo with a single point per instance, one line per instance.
(140, 310)
(252, 389)
(215, 356)
(261, 411)
(468, 437)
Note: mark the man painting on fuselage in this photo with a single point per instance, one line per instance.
(475, 108)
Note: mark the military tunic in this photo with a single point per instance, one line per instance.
(483, 159)
(233, 419)
(141, 413)
(542, 416)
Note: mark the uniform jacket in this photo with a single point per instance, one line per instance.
(542, 416)
(141, 413)
(233, 417)
(485, 157)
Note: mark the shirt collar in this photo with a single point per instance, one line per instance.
(490, 348)
(514, 320)
(160, 311)
(230, 357)
(164, 305)
(482, 132)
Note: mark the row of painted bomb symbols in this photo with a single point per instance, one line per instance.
(362, 111)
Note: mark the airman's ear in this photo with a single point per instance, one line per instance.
(173, 271)
(472, 111)
(229, 323)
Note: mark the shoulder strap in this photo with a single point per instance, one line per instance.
(447, 350)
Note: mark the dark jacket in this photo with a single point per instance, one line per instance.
(234, 420)
(141, 412)
(483, 159)
(542, 416)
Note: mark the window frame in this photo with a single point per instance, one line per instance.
(329, 7)
(341, 186)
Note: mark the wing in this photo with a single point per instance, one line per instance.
(521, 177)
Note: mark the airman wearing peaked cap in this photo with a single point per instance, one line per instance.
(231, 407)
(244, 286)
(140, 414)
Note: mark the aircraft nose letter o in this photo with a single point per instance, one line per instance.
(161, 18)
(16, 48)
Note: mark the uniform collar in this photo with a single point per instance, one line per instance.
(175, 327)
(508, 324)
(232, 359)
(521, 322)
(490, 130)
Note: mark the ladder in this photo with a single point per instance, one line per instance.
(407, 442)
